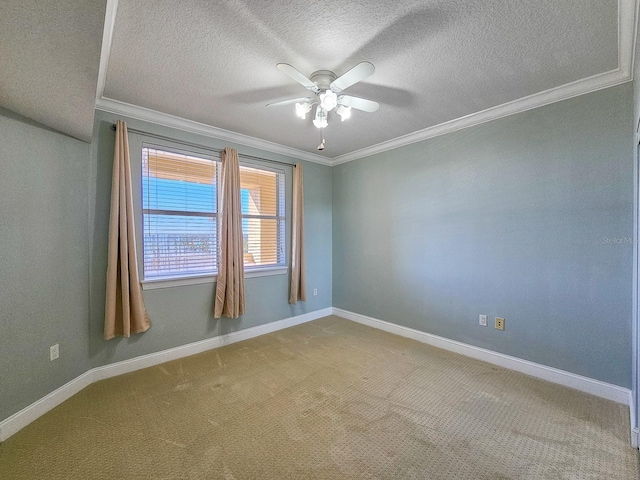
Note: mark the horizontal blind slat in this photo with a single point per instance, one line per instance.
(180, 214)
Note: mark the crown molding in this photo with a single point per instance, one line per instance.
(627, 22)
(627, 18)
(105, 51)
(564, 92)
(153, 116)
(627, 28)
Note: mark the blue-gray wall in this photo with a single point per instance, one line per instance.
(528, 217)
(54, 198)
(44, 264)
(181, 315)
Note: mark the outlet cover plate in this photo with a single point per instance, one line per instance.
(482, 320)
(54, 352)
(499, 323)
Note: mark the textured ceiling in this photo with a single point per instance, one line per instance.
(215, 62)
(49, 60)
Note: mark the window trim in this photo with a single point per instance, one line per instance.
(204, 278)
(202, 154)
(250, 163)
(157, 283)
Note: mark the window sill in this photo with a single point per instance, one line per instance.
(200, 279)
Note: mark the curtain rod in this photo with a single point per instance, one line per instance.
(190, 144)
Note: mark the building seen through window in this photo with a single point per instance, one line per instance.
(180, 214)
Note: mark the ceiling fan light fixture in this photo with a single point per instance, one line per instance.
(302, 109)
(321, 117)
(344, 112)
(328, 100)
(326, 86)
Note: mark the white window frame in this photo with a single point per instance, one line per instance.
(202, 278)
(279, 218)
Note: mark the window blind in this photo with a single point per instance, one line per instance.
(179, 214)
(262, 200)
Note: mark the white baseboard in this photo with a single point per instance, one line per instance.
(24, 417)
(584, 384)
(635, 433)
(152, 359)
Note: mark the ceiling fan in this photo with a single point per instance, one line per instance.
(327, 88)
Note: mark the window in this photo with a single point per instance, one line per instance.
(180, 214)
(262, 200)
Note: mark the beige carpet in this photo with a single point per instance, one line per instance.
(327, 399)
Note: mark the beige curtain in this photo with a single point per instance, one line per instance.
(298, 289)
(124, 310)
(230, 285)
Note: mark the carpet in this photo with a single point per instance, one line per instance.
(329, 399)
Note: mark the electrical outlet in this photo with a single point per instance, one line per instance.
(499, 323)
(483, 320)
(315, 292)
(54, 352)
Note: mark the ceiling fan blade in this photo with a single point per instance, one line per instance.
(358, 103)
(297, 76)
(357, 73)
(290, 102)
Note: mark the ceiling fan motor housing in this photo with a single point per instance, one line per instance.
(323, 79)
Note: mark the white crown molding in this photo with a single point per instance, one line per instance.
(24, 417)
(598, 388)
(627, 27)
(153, 116)
(627, 21)
(564, 92)
(105, 52)
(627, 18)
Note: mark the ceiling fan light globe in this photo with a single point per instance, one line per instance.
(302, 109)
(344, 112)
(320, 122)
(321, 117)
(328, 100)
